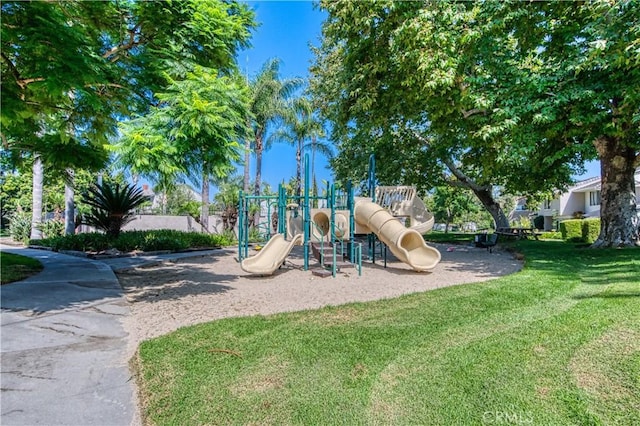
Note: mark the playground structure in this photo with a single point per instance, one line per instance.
(328, 232)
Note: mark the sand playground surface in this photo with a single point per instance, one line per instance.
(166, 297)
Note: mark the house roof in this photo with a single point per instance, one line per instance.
(586, 185)
(593, 184)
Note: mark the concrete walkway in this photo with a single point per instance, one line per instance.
(63, 345)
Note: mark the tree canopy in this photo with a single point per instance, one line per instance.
(479, 94)
(72, 70)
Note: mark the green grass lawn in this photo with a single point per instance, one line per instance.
(14, 267)
(450, 237)
(556, 344)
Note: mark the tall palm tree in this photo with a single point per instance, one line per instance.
(321, 147)
(300, 126)
(268, 95)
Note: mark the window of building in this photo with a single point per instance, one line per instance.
(594, 198)
(546, 204)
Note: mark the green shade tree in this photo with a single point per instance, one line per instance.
(486, 94)
(194, 132)
(74, 69)
(450, 204)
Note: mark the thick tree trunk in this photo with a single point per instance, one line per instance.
(69, 205)
(204, 212)
(492, 206)
(36, 211)
(484, 193)
(619, 223)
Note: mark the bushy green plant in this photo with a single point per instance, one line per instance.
(153, 240)
(20, 226)
(590, 230)
(525, 222)
(52, 228)
(552, 235)
(92, 241)
(255, 235)
(571, 230)
(226, 238)
(112, 206)
(538, 222)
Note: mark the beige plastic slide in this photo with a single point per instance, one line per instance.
(272, 255)
(403, 201)
(405, 243)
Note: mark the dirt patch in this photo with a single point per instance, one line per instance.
(166, 297)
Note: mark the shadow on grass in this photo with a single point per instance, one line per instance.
(612, 295)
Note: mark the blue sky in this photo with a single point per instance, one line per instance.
(286, 30)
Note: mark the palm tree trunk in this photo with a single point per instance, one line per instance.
(299, 168)
(204, 212)
(36, 194)
(313, 155)
(258, 147)
(69, 206)
(247, 165)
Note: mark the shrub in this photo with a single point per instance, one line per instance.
(256, 236)
(590, 230)
(551, 235)
(137, 240)
(20, 226)
(93, 241)
(153, 241)
(227, 238)
(525, 222)
(112, 206)
(538, 222)
(52, 228)
(571, 230)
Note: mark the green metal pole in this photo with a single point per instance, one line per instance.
(240, 226)
(307, 213)
(332, 227)
(282, 210)
(352, 221)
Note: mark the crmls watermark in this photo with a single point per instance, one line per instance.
(508, 417)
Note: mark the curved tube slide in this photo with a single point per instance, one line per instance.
(405, 243)
(272, 255)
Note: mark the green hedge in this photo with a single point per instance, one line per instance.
(551, 235)
(590, 230)
(136, 240)
(571, 230)
(580, 230)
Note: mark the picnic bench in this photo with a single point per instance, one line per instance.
(518, 232)
(487, 241)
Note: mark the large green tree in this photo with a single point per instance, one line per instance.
(575, 72)
(71, 70)
(197, 128)
(482, 94)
